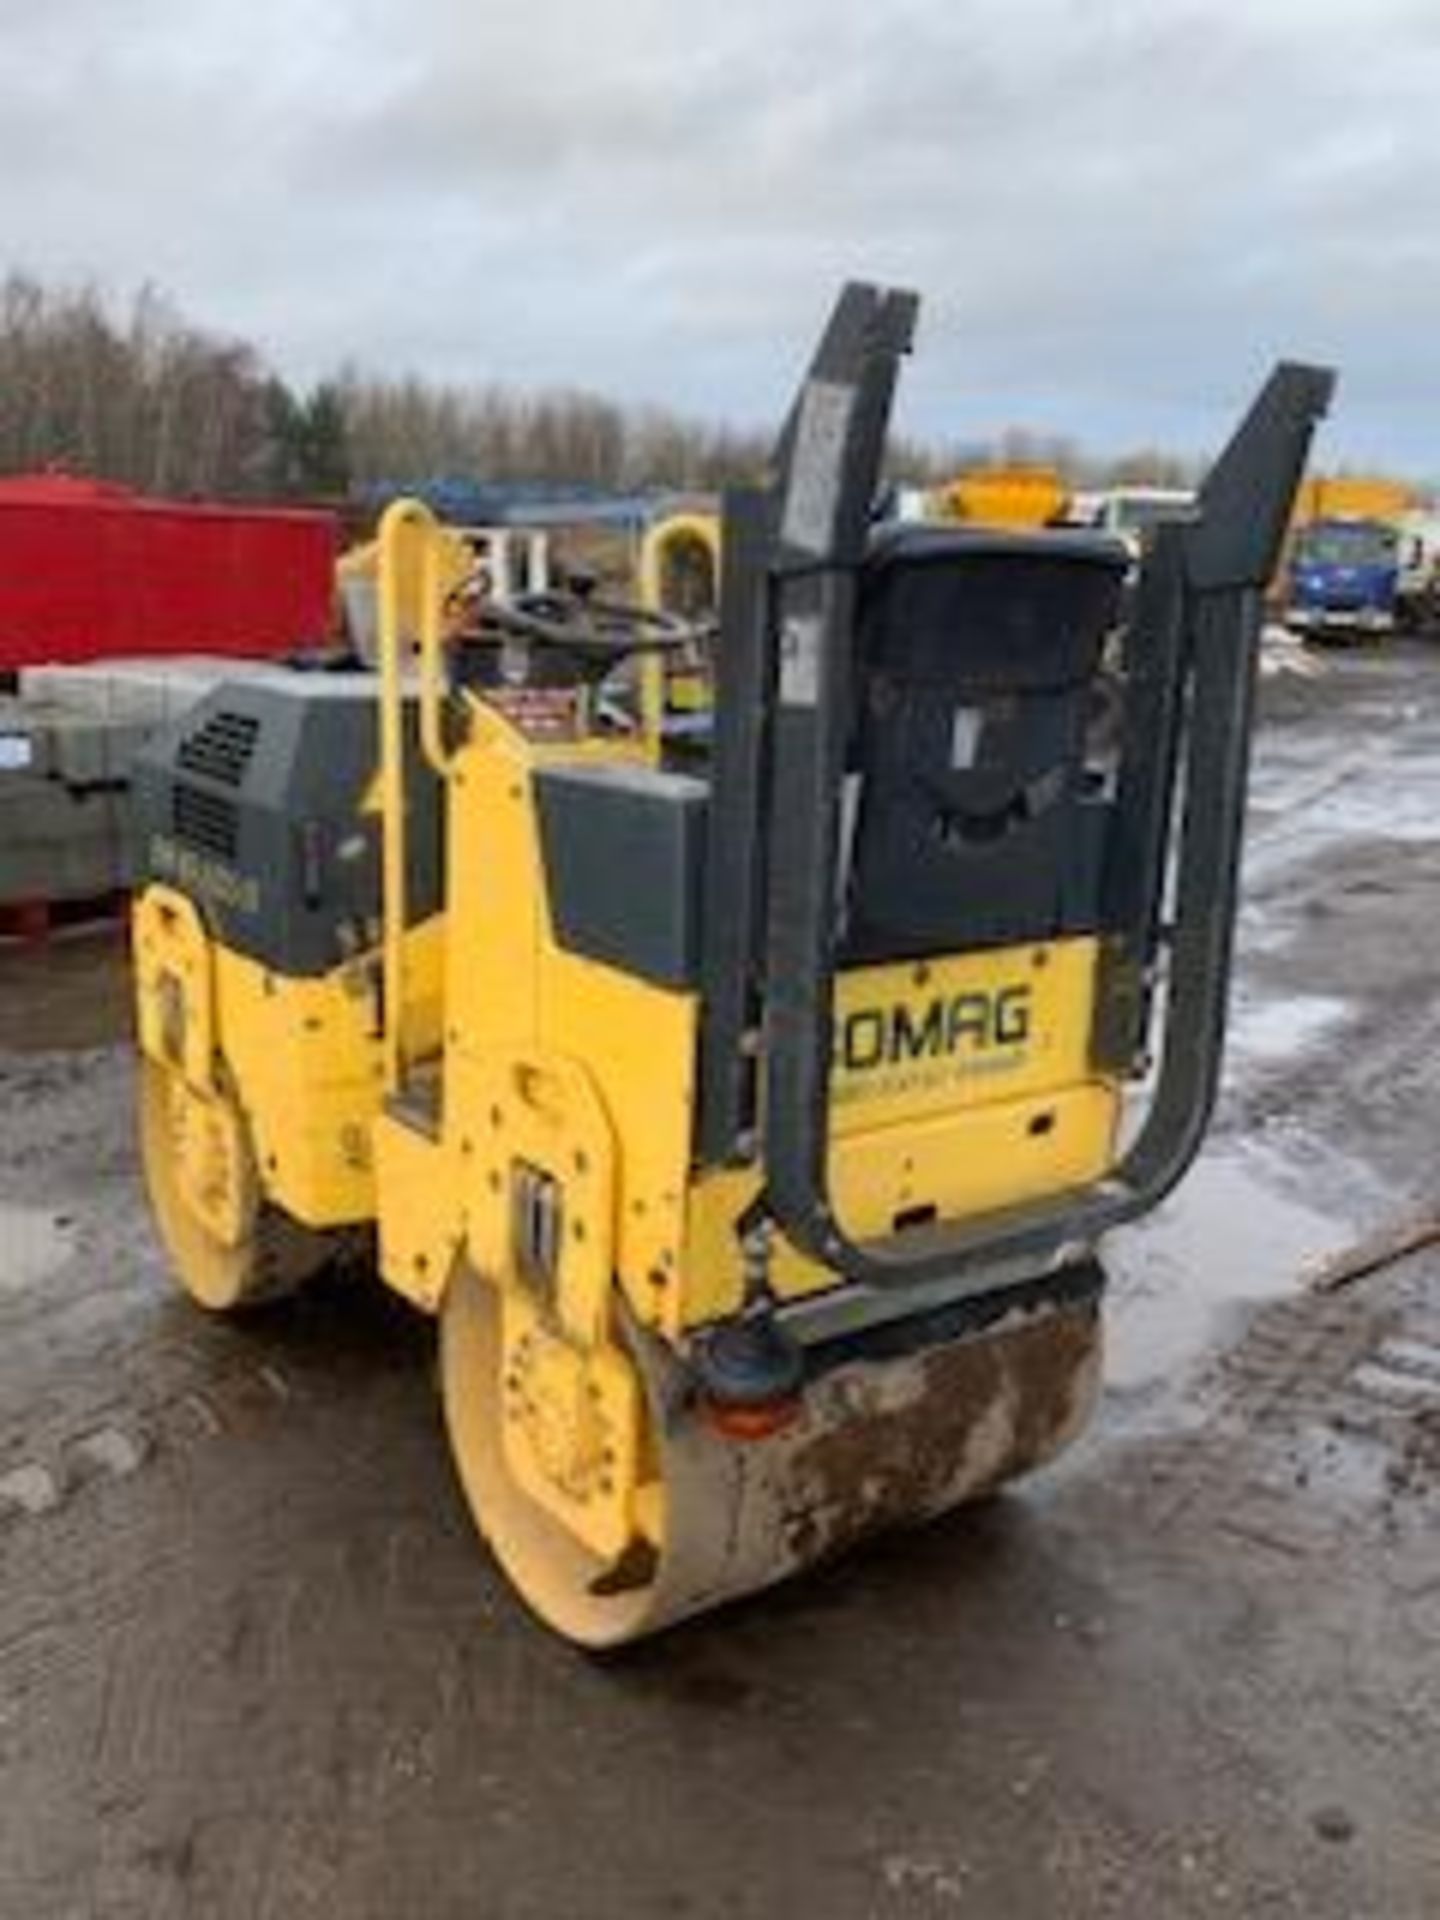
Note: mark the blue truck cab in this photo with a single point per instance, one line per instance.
(1342, 578)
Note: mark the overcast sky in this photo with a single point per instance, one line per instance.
(1117, 212)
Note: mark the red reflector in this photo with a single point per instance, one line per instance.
(751, 1423)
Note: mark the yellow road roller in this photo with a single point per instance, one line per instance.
(750, 1129)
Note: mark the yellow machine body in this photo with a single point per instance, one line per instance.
(513, 1126)
(300, 1057)
(748, 1116)
(961, 1085)
(467, 1069)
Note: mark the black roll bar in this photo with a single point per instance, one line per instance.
(1194, 656)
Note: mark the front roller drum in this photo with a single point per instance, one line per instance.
(878, 1444)
(229, 1247)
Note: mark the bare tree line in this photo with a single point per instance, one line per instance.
(409, 429)
(139, 395)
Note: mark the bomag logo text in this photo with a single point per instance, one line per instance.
(203, 877)
(951, 1024)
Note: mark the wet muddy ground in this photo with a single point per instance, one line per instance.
(253, 1661)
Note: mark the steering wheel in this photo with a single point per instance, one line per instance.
(594, 634)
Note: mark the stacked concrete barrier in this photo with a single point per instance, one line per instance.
(67, 738)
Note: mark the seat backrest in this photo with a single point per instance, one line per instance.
(974, 820)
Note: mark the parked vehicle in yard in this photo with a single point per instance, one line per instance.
(1130, 512)
(90, 571)
(1343, 576)
(1417, 582)
(1015, 496)
(1352, 496)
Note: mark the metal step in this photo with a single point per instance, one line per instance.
(420, 1103)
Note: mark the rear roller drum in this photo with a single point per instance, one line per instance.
(877, 1444)
(229, 1248)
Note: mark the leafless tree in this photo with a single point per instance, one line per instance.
(139, 397)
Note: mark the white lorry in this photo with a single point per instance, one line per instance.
(1130, 512)
(1417, 583)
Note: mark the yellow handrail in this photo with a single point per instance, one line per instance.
(660, 536)
(410, 570)
(432, 666)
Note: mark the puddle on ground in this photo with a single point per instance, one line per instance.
(1403, 807)
(1386, 793)
(1271, 1030)
(1226, 1240)
(1261, 931)
(33, 1245)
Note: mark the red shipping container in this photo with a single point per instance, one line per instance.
(90, 571)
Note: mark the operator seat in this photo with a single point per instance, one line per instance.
(975, 819)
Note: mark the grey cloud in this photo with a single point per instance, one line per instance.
(1117, 212)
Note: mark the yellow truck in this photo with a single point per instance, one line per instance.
(1345, 558)
(1017, 496)
(1352, 496)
